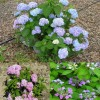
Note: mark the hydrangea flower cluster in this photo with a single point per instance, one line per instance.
(35, 11)
(64, 94)
(87, 95)
(43, 21)
(58, 81)
(63, 53)
(23, 85)
(55, 23)
(93, 65)
(64, 2)
(14, 70)
(37, 30)
(76, 82)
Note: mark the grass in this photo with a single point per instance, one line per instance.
(21, 57)
(3, 1)
(2, 49)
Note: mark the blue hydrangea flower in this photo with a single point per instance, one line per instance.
(75, 31)
(30, 19)
(72, 21)
(17, 13)
(80, 46)
(32, 4)
(22, 7)
(52, 16)
(51, 34)
(15, 26)
(43, 21)
(68, 40)
(85, 44)
(60, 31)
(36, 11)
(61, 15)
(23, 19)
(74, 13)
(85, 34)
(77, 45)
(64, 2)
(63, 53)
(57, 22)
(37, 30)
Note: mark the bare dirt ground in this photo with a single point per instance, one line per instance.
(89, 18)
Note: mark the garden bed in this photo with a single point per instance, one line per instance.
(40, 70)
(91, 23)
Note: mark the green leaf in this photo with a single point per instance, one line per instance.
(2, 58)
(97, 98)
(49, 45)
(25, 32)
(83, 72)
(75, 95)
(54, 98)
(94, 79)
(97, 72)
(89, 88)
(66, 72)
(57, 9)
(38, 44)
(53, 65)
(47, 11)
(98, 86)
(54, 73)
(51, 78)
(43, 48)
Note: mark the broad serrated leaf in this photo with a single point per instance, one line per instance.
(53, 65)
(57, 9)
(25, 32)
(97, 72)
(47, 11)
(66, 72)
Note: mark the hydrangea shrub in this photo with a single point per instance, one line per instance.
(49, 28)
(23, 84)
(74, 81)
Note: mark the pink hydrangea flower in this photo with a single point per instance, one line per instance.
(35, 98)
(29, 86)
(26, 99)
(9, 97)
(24, 95)
(61, 96)
(18, 98)
(57, 94)
(24, 83)
(14, 70)
(30, 95)
(34, 78)
(67, 97)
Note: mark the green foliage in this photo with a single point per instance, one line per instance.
(13, 80)
(66, 70)
(21, 57)
(43, 42)
(2, 49)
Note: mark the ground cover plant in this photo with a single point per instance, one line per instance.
(74, 81)
(48, 29)
(2, 49)
(23, 84)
